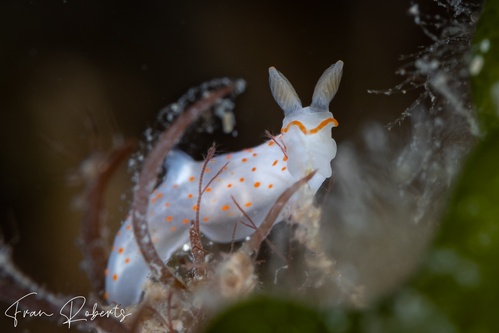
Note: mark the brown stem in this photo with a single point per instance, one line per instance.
(253, 244)
(94, 247)
(198, 251)
(252, 225)
(273, 138)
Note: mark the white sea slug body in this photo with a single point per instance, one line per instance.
(254, 178)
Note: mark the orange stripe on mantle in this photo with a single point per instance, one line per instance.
(313, 130)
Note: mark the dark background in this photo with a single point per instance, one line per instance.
(75, 73)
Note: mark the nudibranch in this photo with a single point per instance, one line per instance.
(254, 178)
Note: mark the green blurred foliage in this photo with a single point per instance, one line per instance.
(485, 66)
(268, 315)
(456, 289)
(462, 271)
